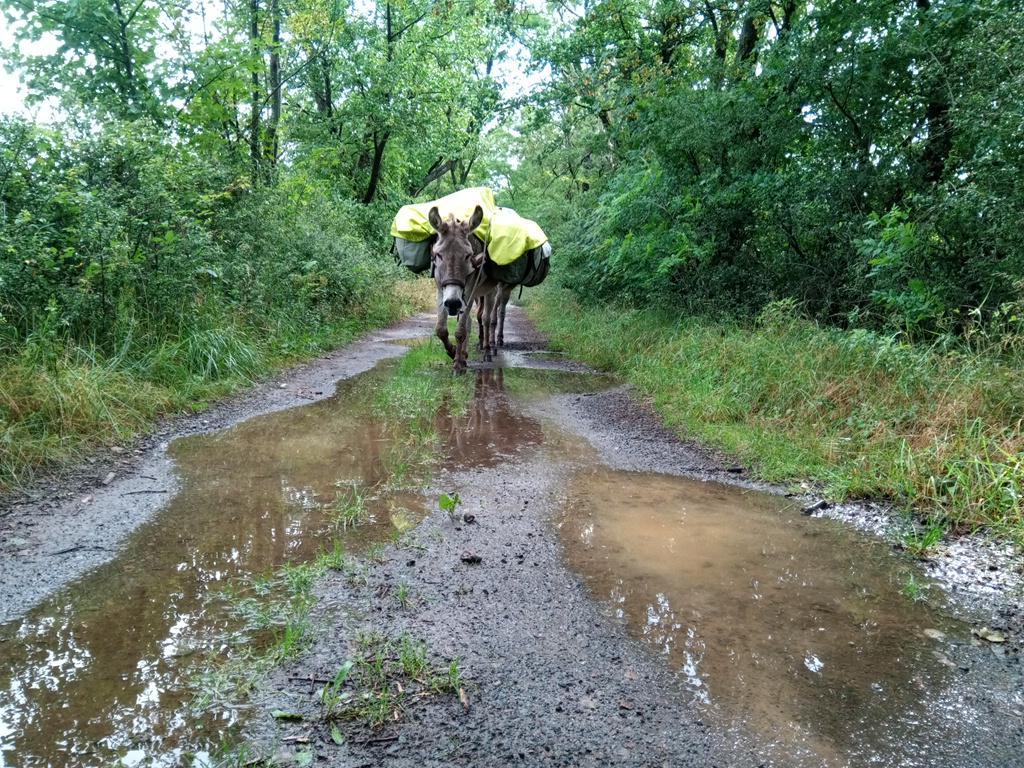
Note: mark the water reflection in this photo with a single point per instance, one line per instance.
(491, 431)
(796, 626)
(101, 671)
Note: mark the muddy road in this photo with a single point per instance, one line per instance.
(530, 571)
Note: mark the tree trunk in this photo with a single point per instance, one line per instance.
(255, 148)
(939, 143)
(748, 39)
(322, 89)
(721, 42)
(375, 168)
(129, 88)
(273, 124)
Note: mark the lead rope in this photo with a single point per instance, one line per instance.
(480, 270)
(472, 293)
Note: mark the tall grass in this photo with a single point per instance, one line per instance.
(862, 414)
(59, 399)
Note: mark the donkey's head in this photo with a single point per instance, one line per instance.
(454, 256)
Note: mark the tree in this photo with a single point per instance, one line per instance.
(105, 60)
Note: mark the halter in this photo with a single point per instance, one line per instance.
(479, 272)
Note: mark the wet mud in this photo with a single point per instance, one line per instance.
(608, 598)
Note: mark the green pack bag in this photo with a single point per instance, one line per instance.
(414, 256)
(528, 270)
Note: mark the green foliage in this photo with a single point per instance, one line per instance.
(136, 275)
(214, 196)
(106, 58)
(859, 158)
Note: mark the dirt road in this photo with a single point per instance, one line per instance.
(601, 594)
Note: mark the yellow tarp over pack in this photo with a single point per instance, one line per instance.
(507, 234)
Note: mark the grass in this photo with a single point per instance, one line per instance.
(863, 415)
(349, 508)
(60, 401)
(273, 625)
(919, 542)
(383, 677)
(403, 596)
(912, 588)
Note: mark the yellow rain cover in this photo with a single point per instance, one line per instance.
(411, 222)
(512, 236)
(507, 234)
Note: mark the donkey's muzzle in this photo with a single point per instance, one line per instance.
(453, 305)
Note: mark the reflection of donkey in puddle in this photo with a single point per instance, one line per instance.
(491, 429)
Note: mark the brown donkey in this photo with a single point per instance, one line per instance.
(458, 258)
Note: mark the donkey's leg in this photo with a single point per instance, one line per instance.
(492, 318)
(442, 327)
(488, 326)
(480, 322)
(461, 342)
(506, 294)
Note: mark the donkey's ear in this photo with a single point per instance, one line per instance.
(434, 217)
(476, 218)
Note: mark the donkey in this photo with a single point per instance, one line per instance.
(458, 258)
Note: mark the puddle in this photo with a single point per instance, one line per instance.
(796, 628)
(101, 672)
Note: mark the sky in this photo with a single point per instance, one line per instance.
(12, 94)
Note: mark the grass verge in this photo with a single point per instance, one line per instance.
(862, 414)
(59, 401)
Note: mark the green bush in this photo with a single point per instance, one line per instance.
(138, 275)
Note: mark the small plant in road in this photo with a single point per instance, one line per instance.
(349, 508)
(913, 589)
(332, 695)
(384, 676)
(402, 596)
(449, 504)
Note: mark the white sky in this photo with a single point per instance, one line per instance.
(12, 94)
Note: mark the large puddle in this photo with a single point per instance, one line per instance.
(798, 628)
(103, 672)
